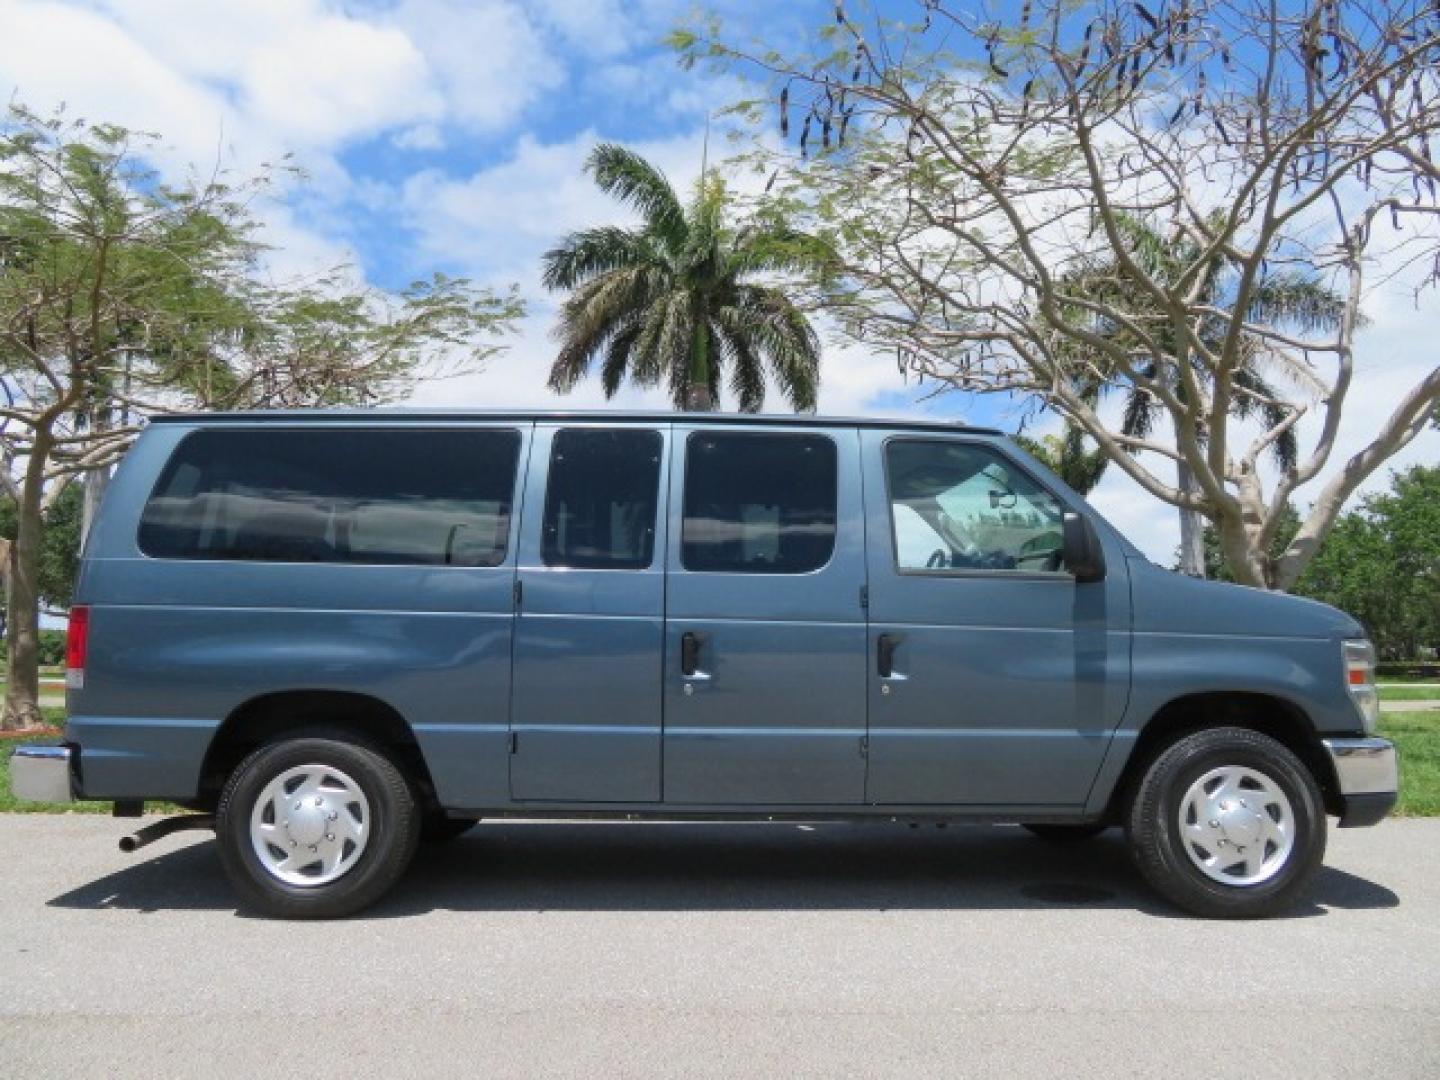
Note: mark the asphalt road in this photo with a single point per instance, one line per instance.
(697, 950)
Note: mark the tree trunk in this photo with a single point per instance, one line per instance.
(1192, 526)
(1247, 562)
(697, 394)
(4, 590)
(698, 399)
(22, 596)
(96, 481)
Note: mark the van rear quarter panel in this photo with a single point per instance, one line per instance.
(177, 645)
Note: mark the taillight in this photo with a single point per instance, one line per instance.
(77, 638)
(1359, 659)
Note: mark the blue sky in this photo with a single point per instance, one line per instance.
(450, 134)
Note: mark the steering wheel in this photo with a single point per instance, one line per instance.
(1052, 559)
(939, 560)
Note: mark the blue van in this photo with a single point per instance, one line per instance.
(337, 634)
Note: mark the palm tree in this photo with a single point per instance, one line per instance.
(1070, 455)
(676, 301)
(1284, 299)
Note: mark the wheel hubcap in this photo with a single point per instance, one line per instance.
(310, 825)
(1237, 825)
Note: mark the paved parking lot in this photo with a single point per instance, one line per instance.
(699, 950)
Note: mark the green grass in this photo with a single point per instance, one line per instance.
(1417, 735)
(1409, 693)
(9, 804)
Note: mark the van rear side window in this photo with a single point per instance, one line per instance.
(758, 503)
(600, 501)
(436, 498)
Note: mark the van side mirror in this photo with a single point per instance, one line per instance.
(1084, 557)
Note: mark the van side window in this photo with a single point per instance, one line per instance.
(600, 499)
(959, 506)
(327, 495)
(758, 503)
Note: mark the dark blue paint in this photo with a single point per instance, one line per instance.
(585, 705)
(1010, 694)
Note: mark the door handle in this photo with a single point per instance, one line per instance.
(885, 654)
(689, 653)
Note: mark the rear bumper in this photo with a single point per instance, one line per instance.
(1368, 771)
(43, 773)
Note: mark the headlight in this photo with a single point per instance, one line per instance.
(1359, 657)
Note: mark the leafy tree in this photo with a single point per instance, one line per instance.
(121, 294)
(1292, 300)
(966, 162)
(678, 300)
(1217, 567)
(1381, 563)
(51, 647)
(59, 543)
(1069, 456)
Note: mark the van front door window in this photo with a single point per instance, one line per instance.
(960, 507)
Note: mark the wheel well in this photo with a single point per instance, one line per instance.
(262, 719)
(1283, 721)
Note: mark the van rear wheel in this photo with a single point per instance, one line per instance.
(315, 828)
(1228, 823)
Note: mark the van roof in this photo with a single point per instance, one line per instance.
(578, 415)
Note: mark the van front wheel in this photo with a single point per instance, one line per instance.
(1228, 823)
(315, 828)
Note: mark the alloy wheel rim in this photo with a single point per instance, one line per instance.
(1237, 825)
(310, 825)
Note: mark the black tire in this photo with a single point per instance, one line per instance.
(1065, 834)
(394, 830)
(1153, 825)
(437, 828)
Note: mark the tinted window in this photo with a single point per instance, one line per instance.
(600, 499)
(328, 495)
(961, 507)
(759, 504)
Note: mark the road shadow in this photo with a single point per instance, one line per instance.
(703, 867)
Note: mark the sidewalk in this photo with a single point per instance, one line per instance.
(1409, 706)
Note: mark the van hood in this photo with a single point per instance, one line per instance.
(1170, 602)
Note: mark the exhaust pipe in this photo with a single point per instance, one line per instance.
(163, 828)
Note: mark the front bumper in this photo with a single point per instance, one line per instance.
(43, 774)
(1368, 772)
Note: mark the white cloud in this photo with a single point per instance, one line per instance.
(329, 80)
(235, 84)
(590, 27)
(53, 53)
(420, 137)
(496, 222)
(264, 78)
(486, 56)
(297, 252)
